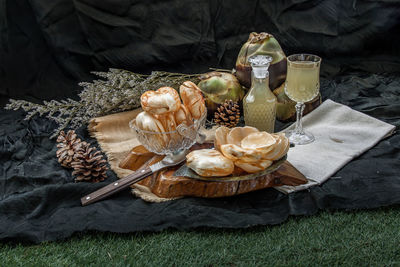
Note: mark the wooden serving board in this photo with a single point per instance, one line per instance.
(164, 184)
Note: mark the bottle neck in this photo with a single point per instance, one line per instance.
(259, 79)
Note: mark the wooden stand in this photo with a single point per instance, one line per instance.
(164, 184)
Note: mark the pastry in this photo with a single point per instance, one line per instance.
(164, 112)
(168, 121)
(162, 101)
(250, 149)
(220, 137)
(147, 122)
(170, 125)
(193, 99)
(236, 134)
(281, 147)
(234, 152)
(182, 115)
(253, 167)
(261, 141)
(209, 162)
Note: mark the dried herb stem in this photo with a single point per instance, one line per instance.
(118, 90)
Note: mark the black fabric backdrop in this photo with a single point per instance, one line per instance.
(47, 46)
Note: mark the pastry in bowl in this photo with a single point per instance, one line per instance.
(147, 122)
(182, 115)
(193, 99)
(166, 125)
(162, 101)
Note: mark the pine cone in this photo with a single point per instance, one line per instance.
(67, 145)
(89, 165)
(227, 114)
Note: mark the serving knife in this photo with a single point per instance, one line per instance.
(140, 174)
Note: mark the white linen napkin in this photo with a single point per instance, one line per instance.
(341, 134)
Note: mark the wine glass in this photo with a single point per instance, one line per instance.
(302, 85)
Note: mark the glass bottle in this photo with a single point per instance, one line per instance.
(259, 104)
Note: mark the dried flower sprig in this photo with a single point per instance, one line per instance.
(119, 90)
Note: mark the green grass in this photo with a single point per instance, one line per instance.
(327, 239)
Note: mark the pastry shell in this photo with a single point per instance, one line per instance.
(220, 137)
(253, 167)
(236, 134)
(193, 99)
(209, 162)
(250, 149)
(162, 101)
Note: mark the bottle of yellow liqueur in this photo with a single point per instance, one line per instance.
(259, 104)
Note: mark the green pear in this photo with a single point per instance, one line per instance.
(218, 87)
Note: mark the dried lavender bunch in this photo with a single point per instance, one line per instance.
(119, 90)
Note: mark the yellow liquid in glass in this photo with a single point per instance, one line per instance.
(302, 81)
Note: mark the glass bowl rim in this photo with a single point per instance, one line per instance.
(196, 123)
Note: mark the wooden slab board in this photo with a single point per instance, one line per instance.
(164, 184)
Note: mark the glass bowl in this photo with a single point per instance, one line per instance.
(164, 143)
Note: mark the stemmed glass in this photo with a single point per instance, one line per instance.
(302, 85)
